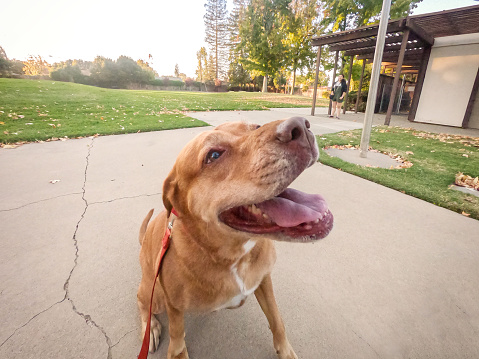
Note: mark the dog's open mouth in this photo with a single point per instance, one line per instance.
(296, 214)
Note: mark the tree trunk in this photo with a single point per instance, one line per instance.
(265, 83)
(294, 82)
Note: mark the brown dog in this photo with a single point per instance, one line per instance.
(229, 188)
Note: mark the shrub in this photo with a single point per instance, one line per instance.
(68, 74)
(156, 82)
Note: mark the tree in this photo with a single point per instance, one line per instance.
(301, 26)
(177, 70)
(129, 72)
(67, 71)
(120, 73)
(4, 63)
(216, 28)
(145, 66)
(350, 14)
(262, 37)
(104, 72)
(36, 66)
(237, 74)
(210, 69)
(202, 62)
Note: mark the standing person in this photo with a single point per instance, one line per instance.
(338, 91)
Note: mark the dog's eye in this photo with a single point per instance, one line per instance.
(213, 155)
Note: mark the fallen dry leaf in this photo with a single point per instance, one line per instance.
(54, 181)
(467, 181)
(465, 214)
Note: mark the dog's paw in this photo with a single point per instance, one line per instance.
(286, 352)
(182, 355)
(155, 333)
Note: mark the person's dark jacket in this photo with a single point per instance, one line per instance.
(344, 87)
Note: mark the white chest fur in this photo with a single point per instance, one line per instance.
(244, 292)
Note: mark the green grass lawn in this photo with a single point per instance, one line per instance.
(436, 159)
(32, 110)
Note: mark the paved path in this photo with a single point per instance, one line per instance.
(396, 278)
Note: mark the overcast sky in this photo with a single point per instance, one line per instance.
(171, 31)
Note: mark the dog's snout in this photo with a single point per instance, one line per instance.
(292, 129)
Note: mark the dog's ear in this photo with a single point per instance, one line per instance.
(170, 191)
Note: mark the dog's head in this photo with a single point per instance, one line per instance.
(234, 180)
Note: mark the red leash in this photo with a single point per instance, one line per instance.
(165, 243)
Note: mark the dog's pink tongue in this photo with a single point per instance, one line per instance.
(293, 207)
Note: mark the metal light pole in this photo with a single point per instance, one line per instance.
(373, 86)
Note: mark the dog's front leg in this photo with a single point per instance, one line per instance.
(177, 347)
(265, 296)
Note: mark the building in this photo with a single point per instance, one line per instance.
(440, 49)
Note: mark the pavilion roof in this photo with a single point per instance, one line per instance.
(423, 30)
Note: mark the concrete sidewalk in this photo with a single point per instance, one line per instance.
(396, 278)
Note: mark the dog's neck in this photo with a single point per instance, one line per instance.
(226, 252)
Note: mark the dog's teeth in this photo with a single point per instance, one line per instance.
(316, 221)
(265, 216)
(255, 209)
(307, 227)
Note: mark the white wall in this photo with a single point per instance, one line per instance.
(474, 119)
(450, 75)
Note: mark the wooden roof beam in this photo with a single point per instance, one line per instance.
(371, 42)
(360, 33)
(387, 49)
(420, 32)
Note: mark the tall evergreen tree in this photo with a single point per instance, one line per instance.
(216, 27)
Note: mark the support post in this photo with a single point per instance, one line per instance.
(470, 104)
(349, 83)
(358, 98)
(419, 83)
(405, 38)
(315, 91)
(373, 87)
(334, 77)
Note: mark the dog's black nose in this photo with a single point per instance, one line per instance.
(292, 129)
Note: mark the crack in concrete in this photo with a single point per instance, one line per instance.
(86, 317)
(39, 201)
(128, 197)
(66, 286)
(28, 321)
(119, 340)
(364, 340)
